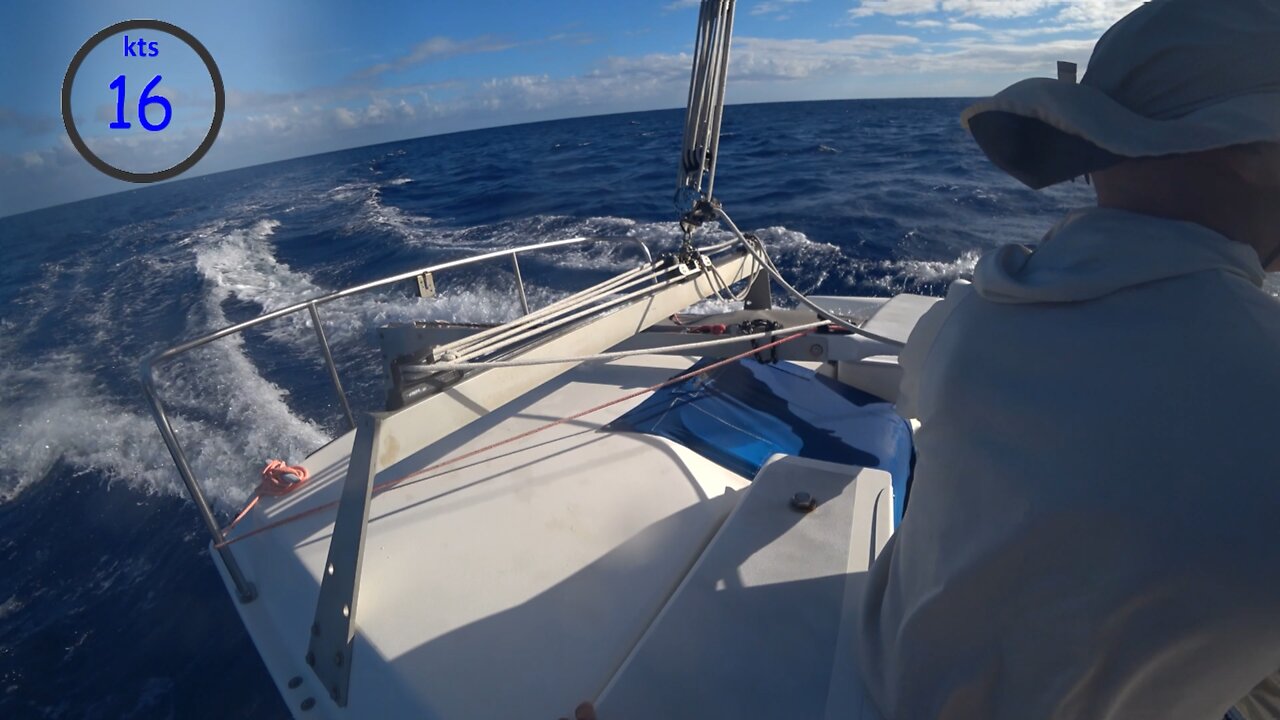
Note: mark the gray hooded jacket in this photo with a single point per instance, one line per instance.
(1094, 526)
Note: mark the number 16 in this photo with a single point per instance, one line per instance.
(143, 101)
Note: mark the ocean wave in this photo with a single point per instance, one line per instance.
(241, 265)
(909, 275)
(232, 418)
(229, 417)
(377, 215)
(613, 252)
(373, 214)
(57, 413)
(347, 191)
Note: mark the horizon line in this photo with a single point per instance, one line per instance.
(483, 128)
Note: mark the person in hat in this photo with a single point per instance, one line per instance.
(1094, 523)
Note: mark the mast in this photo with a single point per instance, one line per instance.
(705, 109)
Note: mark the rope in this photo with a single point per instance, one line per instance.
(278, 478)
(566, 304)
(676, 349)
(724, 292)
(389, 484)
(493, 344)
(757, 250)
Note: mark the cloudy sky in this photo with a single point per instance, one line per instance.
(304, 76)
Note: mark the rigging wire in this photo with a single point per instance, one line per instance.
(700, 150)
(599, 357)
(421, 474)
(705, 107)
(756, 249)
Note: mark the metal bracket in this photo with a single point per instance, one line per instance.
(1067, 71)
(333, 630)
(426, 285)
(524, 299)
(758, 295)
(703, 211)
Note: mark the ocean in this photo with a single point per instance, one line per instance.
(109, 604)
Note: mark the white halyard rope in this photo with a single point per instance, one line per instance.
(598, 357)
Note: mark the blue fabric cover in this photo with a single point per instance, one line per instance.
(740, 414)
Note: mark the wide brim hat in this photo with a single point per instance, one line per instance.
(1172, 77)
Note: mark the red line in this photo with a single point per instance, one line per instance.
(389, 484)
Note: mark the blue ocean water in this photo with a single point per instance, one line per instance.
(109, 605)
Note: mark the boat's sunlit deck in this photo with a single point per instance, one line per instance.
(507, 585)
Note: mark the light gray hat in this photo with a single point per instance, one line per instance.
(1172, 77)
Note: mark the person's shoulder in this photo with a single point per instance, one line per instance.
(1233, 326)
(1260, 317)
(1234, 303)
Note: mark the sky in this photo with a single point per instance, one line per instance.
(310, 76)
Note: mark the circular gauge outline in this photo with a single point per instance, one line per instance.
(219, 101)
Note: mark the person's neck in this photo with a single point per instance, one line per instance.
(1236, 216)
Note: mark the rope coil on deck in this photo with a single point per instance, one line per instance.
(278, 479)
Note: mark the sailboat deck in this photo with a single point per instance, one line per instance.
(508, 585)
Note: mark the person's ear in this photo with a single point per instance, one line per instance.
(1257, 164)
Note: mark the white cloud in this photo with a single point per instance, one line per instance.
(777, 8)
(658, 80)
(311, 120)
(1072, 14)
(998, 8)
(921, 23)
(1097, 14)
(437, 48)
(265, 126)
(894, 7)
(759, 59)
(345, 117)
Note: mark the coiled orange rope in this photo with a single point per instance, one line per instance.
(278, 478)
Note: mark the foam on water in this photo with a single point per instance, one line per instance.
(378, 215)
(60, 414)
(53, 411)
(907, 275)
(241, 265)
(238, 264)
(56, 410)
(10, 606)
(370, 213)
(347, 191)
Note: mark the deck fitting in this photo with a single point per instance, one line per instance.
(803, 502)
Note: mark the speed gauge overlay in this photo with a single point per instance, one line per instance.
(143, 100)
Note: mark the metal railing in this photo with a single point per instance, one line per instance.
(244, 588)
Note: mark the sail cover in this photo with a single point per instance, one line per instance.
(740, 414)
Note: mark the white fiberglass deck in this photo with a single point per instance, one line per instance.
(510, 585)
